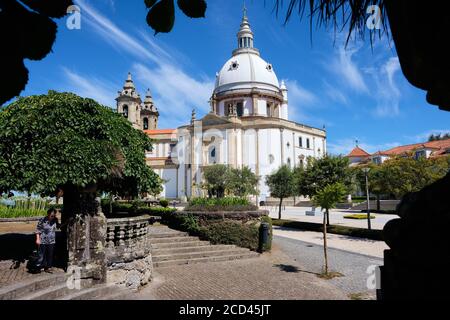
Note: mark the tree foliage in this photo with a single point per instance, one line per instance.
(328, 197)
(281, 184)
(60, 139)
(161, 15)
(399, 176)
(28, 30)
(242, 182)
(220, 178)
(319, 173)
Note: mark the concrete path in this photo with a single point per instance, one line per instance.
(336, 217)
(351, 244)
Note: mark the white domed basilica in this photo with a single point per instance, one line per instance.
(248, 125)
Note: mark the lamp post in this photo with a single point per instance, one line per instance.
(366, 173)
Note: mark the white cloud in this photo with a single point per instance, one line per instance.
(89, 87)
(156, 67)
(386, 93)
(178, 93)
(344, 146)
(422, 137)
(335, 94)
(347, 71)
(300, 96)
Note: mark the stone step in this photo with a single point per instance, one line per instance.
(167, 235)
(169, 263)
(158, 252)
(99, 292)
(180, 244)
(26, 287)
(172, 239)
(202, 254)
(50, 293)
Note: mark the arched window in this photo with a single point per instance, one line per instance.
(125, 111)
(212, 155)
(145, 123)
(289, 162)
(271, 158)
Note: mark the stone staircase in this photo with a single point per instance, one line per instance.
(54, 287)
(171, 247)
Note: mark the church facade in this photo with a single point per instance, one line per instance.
(248, 125)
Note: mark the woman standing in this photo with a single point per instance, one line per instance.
(45, 239)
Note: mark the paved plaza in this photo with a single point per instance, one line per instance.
(336, 217)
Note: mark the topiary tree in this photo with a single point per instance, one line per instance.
(281, 184)
(327, 198)
(319, 173)
(215, 177)
(242, 182)
(60, 141)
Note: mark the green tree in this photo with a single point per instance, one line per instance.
(406, 174)
(242, 182)
(61, 141)
(377, 181)
(327, 198)
(281, 184)
(319, 173)
(215, 178)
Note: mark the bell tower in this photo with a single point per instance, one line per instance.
(129, 103)
(149, 113)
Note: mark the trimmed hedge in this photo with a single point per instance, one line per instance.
(134, 208)
(220, 231)
(342, 230)
(220, 204)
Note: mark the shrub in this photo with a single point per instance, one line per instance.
(220, 204)
(164, 203)
(232, 232)
(219, 231)
(20, 213)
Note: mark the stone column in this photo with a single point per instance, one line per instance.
(86, 233)
(282, 145)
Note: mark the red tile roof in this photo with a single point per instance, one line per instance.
(358, 153)
(159, 131)
(435, 145)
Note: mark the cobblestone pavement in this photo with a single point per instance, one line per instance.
(352, 266)
(270, 277)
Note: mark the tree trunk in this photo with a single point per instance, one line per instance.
(325, 243)
(279, 209)
(328, 218)
(378, 203)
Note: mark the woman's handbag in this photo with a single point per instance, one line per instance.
(34, 262)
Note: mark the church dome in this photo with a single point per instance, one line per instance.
(246, 69)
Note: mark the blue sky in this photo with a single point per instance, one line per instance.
(357, 92)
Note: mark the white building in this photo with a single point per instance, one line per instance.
(248, 125)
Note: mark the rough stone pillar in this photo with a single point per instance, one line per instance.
(86, 234)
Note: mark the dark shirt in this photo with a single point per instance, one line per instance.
(47, 230)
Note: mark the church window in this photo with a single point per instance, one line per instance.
(289, 162)
(300, 142)
(234, 65)
(145, 123)
(240, 109)
(269, 67)
(125, 111)
(308, 146)
(271, 159)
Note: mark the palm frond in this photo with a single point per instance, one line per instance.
(340, 14)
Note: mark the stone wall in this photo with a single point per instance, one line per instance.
(128, 255)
